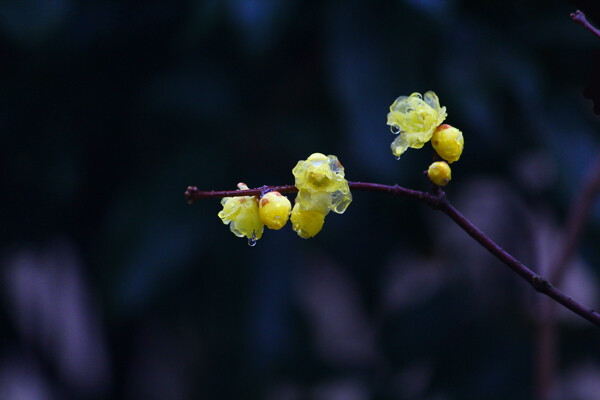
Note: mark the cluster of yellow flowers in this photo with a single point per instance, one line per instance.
(417, 120)
(321, 188)
(320, 179)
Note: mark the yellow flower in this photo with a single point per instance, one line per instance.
(321, 184)
(274, 210)
(439, 173)
(306, 223)
(448, 142)
(241, 213)
(414, 118)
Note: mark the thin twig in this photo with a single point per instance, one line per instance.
(576, 218)
(547, 335)
(438, 202)
(580, 18)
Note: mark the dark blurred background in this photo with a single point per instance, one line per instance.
(112, 287)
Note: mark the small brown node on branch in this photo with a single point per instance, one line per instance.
(540, 284)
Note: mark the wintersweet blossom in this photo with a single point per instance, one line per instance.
(413, 119)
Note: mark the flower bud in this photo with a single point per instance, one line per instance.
(274, 210)
(448, 142)
(439, 173)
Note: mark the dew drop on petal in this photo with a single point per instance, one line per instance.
(252, 240)
(395, 129)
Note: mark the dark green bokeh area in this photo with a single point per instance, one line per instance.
(112, 287)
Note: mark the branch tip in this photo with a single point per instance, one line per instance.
(189, 194)
(579, 18)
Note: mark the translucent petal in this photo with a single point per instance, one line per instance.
(315, 200)
(399, 145)
(306, 223)
(432, 100)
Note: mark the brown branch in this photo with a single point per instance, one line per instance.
(579, 17)
(547, 334)
(437, 201)
(537, 282)
(192, 193)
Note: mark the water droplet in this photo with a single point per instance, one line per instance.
(395, 129)
(252, 240)
(397, 157)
